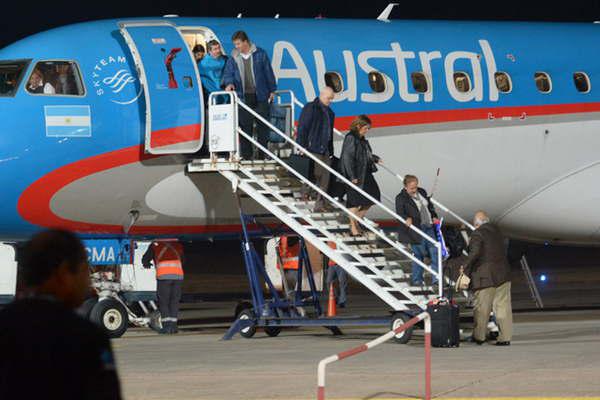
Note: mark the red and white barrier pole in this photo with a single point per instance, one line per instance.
(321, 369)
(427, 356)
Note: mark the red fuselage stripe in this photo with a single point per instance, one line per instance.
(34, 203)
(469, 114)
(171, 136)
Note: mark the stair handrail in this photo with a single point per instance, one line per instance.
(434, 201)
(365, 222)
(401, 179)
(340, 206)
(339, 176)
(332, 171)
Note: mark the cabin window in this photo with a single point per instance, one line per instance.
(419, 82)
(377, 82)
(462, 82)
(11, 73)
(55, 78)
(543, 82)
(582, 82)
(334, 81)
(503, 82)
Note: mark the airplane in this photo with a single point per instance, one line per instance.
(505, 111)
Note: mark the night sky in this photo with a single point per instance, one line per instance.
(20, 19)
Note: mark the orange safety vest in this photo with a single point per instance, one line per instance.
(289, 254)
(331, 263)
(167, 258)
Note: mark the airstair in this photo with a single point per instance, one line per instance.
(375, 258)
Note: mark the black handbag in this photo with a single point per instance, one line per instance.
(302, 165)
(336, 187)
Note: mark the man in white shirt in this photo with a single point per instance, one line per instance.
(413, 204)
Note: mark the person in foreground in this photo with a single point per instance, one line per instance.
(48, 351)
(489, 271)
(358, 165)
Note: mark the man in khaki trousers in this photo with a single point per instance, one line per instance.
(489, 270)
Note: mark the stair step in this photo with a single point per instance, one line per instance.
(302, 203)
(271, 174)
(282, 181)
(363, 251)
(355, 239)
(262, 168)
(338, 227)
(254, 163)
(325, 215)
(378, 264)
(373, 258)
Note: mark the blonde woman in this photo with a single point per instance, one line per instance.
(357, 165)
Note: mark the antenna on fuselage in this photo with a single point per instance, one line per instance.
(385, 14)
(130, 220)
(239, 15)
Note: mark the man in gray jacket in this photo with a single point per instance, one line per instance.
(489, 270)
(248, 72)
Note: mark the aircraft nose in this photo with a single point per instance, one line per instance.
(566, 207)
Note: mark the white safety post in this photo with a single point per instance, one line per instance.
(424, 316)
(222, 124)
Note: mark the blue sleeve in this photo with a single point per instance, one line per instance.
(228, 73)
(304, 124)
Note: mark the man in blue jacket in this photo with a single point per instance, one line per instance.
(315, 133)
(211, 68)
(248, 71)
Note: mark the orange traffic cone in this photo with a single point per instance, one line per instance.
(331, 307)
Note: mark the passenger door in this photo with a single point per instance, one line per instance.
(171, 82)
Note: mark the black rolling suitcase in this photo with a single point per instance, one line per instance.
(445, 318)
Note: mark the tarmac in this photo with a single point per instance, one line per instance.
(553, 354)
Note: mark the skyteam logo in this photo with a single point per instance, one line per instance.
(113, 79)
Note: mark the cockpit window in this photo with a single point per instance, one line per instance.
(60, 78)
(11, 73)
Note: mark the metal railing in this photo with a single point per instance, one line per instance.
(401, 179)
(366, 223)
(424, 316)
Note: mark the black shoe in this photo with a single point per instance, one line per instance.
(505, 343)
(166, 329)
(341, 305)
(471, 339)
(174, 329)
(493, 335)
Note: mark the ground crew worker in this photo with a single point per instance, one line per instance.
(334, 272)
(48, 350)
(289, 251)
(168, 260)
